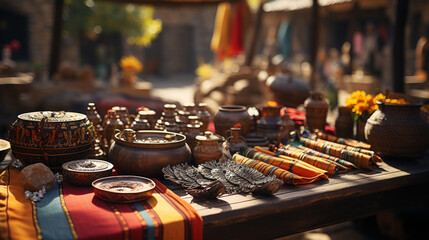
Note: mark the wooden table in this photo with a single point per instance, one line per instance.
(359, 193)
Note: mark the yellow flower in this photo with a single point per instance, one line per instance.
(131, 63)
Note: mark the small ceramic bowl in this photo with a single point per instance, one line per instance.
(123, 188)
(84, 172)
(4, 149)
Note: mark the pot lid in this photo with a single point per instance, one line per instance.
(52, 116)
(208, 136)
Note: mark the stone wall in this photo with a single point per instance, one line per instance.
(40, 19)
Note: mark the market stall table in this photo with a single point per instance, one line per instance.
(396, 183)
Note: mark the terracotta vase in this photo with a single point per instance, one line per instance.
(230, 115)
(271, 125)
(316, 111)
(207, 148)
(344, 123)
(129, 78)
(398, 130)
(204, 115)
(360, 129)
(234, 142)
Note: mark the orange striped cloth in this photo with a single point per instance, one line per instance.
(268, 169)
(69, 212)
(359, 159)
(330, 166)
(295, 146)
(287, 163)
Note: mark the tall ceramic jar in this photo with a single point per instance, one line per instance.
(344, 123)
(230, 115)
(316, 111)
(397, 130)
(204, 116)
(113, 122)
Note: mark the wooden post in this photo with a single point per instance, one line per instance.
(314, 43)
(56, 37)
(255, 36)
(398, 45)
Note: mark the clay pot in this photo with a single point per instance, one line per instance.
(287, 90)
(271, 125)
(193, 130)
(146, 152)
(316, 111)
(397, 130)
(207, 148)
(113, 122)
(234, 142)
(230, 115)
(344, 123)
(204, 116)
(51, 138)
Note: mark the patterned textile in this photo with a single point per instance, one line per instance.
(354, 149)
(295, 166)
(359, 159)
(69, 212)
(349, 142)
(298, 146)
(268, 169)
(330, 166)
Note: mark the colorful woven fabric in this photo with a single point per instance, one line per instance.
(295, 166)
(359, 159)
(353, 149)
(69, 212)
(298, 146)
(330, 166)
(268, 169)
(349, 142)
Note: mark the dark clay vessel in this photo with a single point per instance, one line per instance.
(146, 152)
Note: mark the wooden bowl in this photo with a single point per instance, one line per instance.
(124, 188)
(84, 172)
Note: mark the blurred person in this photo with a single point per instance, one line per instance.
(370, 51)
(422, 56)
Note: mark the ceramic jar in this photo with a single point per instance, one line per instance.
(316, 111)
(234, 141)
(204, 116)
(230, 115)
(207, 148)
(344, 123)
(150, 116)
(193, 130)
(123, 114)
(287, 90)
(140, 123)
(146, 152)
(271, 125)
(51, 138)
(113, 122)
(397, 130)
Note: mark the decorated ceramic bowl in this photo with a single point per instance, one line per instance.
(84, 172)
(123, 188)
(51, 138)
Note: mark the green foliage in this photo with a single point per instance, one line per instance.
(94, 17)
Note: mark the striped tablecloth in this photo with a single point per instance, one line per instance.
(69, 212)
